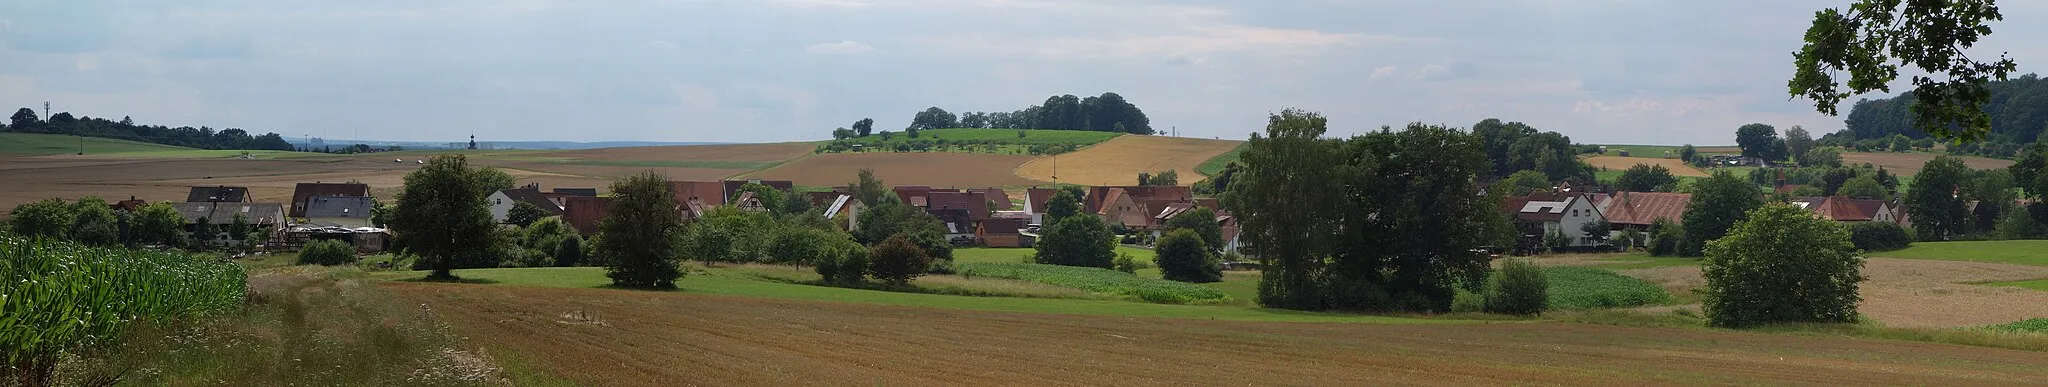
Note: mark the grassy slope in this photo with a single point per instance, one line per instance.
(2024, 252)
(1215, 164)
(727, 282)
(1032, 136)
(58, 144)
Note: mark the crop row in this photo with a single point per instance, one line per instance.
(58, 297)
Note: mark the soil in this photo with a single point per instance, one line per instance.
(1618, 163)
(734, 152)
(1119, 160)
(617, 337)
(1917, 293)
(936, 169)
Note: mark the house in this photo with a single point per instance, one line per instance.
(731, 187)
(1134, 207)
(1540, 215)
(959, 223)
(584, 212)
(219, 215)
(747, 202)
(304, 192)
(914, 195)
(975, 204)
(995, 195)
(220, 193)
(847, 206)
(1035, 200)
(1003, 232)
(340, 211)
(130, 205)
(502, 202)
(710, 193)
(1640, 209)
(1844, 209)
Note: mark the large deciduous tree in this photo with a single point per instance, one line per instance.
(1798, 141)
(1203, 222)
(897, 260)
(1756, 140)
(1281, 197)
(1781, 264)
(94, 223)
(1938, 212)
(642, 233)
(1081, 240)
(443, 216)
(932, 118)
(1645, 178)
(864, 127)
(1718, 203)
(523, 214)
(1182, 256)
(1064, 204)
(1863, 40)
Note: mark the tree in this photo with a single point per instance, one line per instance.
(44, 218)
(1900, 143)
(1687, 152)
(897, 260)
(1822, 157)
(800, 246)
(870, 190)
(886, 135)
(524, 214)
(160, 224)
(94, 224)
(203, 233)
(1665, 237)
(1718, 203)
(642, 233)
(1645, 178)
(1519, 289)
(238, 228)
(327, 252)
(1064, 204)
(1862, 187)
(569, 252)
(1526, 182)
(864, 127)
(24, 120)
(1280, 196)
(843, 133)
(1781, 264)
(443, 215)
(1931, 35)
(1938, 213)
(1077, 241)
(1598, 230)
(1182, 256)
(1756, 140)
(1798, 141)
(932, 118)
(1879, 236)
(1203, 222)
(710, 244)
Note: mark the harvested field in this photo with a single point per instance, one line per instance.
(613, 337)
(756, 153)
(1618, 163)
(937, 169)
(1910, 293)
(1120, 160)
(1908, 164)
(71, 177)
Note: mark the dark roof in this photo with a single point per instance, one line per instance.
(533, 196)
(975, 204)
(224, 213)
(217, 194)
(1002, 226)
(958, 221)
(339, 207)
(577, 191)
(1644, 208)
(709, 192)
(309, 190)
(1002, 199)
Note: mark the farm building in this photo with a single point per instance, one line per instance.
(710, 193)
(220, 194)
(1034, 202)
(502, 202)
(261, 215)
(1134, 207)
(1003, 232)
(1844, 209)
(1542, 214)
(304, 192)
(340, 211)
(583, 213)
(1640, 209)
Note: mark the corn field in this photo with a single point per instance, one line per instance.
(58, 298)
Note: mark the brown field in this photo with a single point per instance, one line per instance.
(733, 152)
(1119, 160)
(1910, 293)
(937, 169)
(613, 337)
(1618, 163)
(1908, 164)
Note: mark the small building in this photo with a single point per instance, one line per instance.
(1540, 215)
(218, 194)
(304, 192)
(1003, 232)
(1846, 210)
(502, 202)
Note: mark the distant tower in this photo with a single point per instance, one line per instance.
(472, 142)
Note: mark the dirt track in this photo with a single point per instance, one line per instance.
(612, 337)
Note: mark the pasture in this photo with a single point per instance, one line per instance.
(37, 144)
(1119, 160)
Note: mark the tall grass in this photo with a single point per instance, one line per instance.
(1099, 280)
(59, 299)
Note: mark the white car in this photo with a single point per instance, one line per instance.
(397, 160)
(420, 161)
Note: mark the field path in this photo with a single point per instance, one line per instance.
(615, 337)
(1119, 160)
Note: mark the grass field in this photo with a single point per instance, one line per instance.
(2039, 284)
(1658, 151)
(35, 144)
(2019, 252)
(1617, 163)
(1031, 136)
(1909, 163)
(1118, 161)
(1216, 164)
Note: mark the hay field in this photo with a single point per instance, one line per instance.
(614, 337)
(1618, 163)
(937, 169)
(1908, 164)
(1119, 160)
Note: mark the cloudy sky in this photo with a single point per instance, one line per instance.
(1601, 71)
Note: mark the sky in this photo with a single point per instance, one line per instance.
(1600, 71)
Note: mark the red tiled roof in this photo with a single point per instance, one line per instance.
(975, 204)
(1845, 209)
(1644, 208)
(1107, 198)
(1100, 194)
(1002, 199)
(1036, 198)
(710, 192)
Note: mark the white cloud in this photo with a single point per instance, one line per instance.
(841, 47)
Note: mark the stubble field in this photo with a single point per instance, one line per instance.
(1119, 160)
(937, 169)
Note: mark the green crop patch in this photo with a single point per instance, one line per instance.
(1099, 280)
(1585, 287)
(58, 298)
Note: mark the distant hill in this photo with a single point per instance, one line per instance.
(564, 145)
(60, 144)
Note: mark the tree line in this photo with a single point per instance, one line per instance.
(1108, 112)
(26, 121)
(2017, 109)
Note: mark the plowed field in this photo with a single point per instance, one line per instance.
(1120, 160)
(937, 169)
(614, 337)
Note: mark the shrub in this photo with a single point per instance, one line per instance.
(1098, 280)
(1183, 257)
(1520, 290)
(1879, 236)
(327, 252)
(940, 266)
(1125, 263)
(847, 263)
(1080, 240)
(897, 260)
(569, 252)
(1781, 265)
(1664, 238)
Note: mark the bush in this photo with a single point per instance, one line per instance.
(1124, 263)
(1183, 257)
(1080, 240)
(1781, 265)
(897, 260)
(1879, 236)
(940, 266)
(1664, 238)
(1098, 280)
(327, 252)
(1520, 290)
(569, 252)
(846, 264)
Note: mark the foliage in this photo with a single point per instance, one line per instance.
(1520, 289)
(1589, 288)
(1203, 222)
(1879, 236)
(2021, 224)
(1665, 236)
(1798, 141)
(869, 189)
(327, 252)
(642, 233)
(1526, 182)
(1514, 146)
(772, 199)
(1718, 203)
(864, 127)
(1756, 140)
(1183, 256)
(159, 224)
(799, 246)
(1064, 204)
(1930, 35)
(1862, 187)
(443, 217)
(1098, 280)
(1165, 178)
(845, 263)
(1938, 213)
(880, 222)
(897, 260)
(25, 120)
(1645, 178)
(1821, 157)
(1125, 263)
(63, 299)
(569, 252)
(45, 218)
(1598, 230)
(1781, 264)
(2032, 325)
(1687, 153)
(523, 214)
(93, 223)
(1077, 241)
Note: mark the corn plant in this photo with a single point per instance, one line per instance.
(58, 298)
